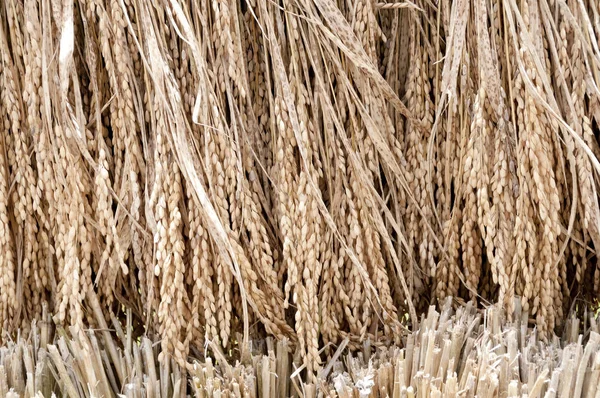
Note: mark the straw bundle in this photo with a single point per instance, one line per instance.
(318, 171)
(466, 353)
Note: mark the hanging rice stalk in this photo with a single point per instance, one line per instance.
(319, 172)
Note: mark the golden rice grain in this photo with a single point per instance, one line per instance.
(310, 170)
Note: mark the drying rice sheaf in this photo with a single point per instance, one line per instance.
(315, 171)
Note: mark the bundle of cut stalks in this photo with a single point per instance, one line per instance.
(466, 353)
(314, 170)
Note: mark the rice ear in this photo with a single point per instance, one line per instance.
(320, 172)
